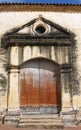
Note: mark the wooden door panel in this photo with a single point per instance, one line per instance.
(33, 90)
(36, 96)
(51, 85)
(47, 92)
(47, 88)
(39, 90)
(23, 90)
(43, 88)
(29, 92)
(48, 83)
(29, 86)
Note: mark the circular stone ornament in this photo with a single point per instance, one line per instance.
(40, 28)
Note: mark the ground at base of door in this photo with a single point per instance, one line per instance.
(12, 127)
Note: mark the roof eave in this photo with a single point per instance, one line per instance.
(40, 7)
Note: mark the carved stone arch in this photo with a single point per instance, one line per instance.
(56, 44)
(40, 58)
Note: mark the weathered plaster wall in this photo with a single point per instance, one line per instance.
(70, 21)
(3, 78)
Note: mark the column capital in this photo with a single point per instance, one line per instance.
(14, 70)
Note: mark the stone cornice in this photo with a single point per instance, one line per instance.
(41, 7)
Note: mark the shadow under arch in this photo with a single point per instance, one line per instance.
(39, 59)
(45, 75)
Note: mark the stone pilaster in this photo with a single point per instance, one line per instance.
(13, 101)
(67, 104)
(14, 56)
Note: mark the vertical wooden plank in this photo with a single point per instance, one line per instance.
(23, 89)
(43, 88)
(29, 81)
(43, 91)
(51, 89)
(36, 97)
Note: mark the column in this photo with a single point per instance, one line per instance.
(13, 85)
(13, 102)
(66, 91)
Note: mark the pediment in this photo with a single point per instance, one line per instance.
(39, 27)
(39, 31)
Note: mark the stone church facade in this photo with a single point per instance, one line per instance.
(40, 59)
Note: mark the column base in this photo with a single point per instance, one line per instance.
(78, 116)
(13, 109)
(68, 116)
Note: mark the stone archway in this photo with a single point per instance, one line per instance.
(54, 43)
(40, 89)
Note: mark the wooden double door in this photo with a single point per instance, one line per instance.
(40, 89)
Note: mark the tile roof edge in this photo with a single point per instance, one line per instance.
(9, 3)
(72, 8)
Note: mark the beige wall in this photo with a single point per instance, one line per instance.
(70, 21)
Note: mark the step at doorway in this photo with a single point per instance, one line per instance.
(40, 122)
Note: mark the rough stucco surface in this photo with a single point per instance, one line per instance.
(70, 21)
(3, 78)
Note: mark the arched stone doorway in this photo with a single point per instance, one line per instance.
(40, 89)
(54, 43)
